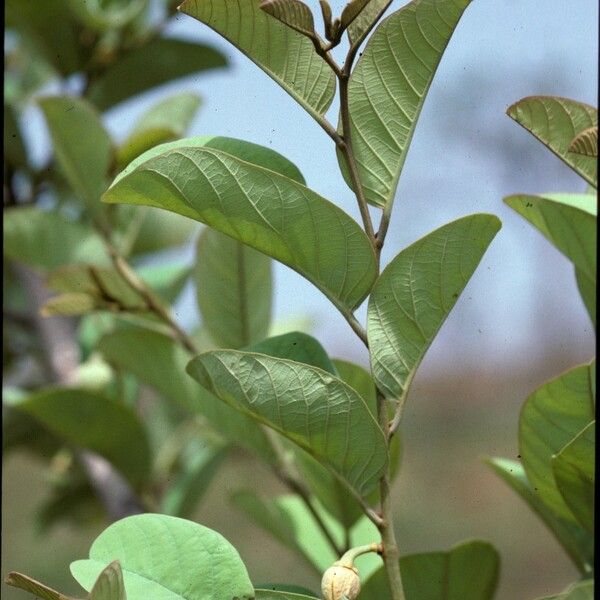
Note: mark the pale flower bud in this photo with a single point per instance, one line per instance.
(340, 581)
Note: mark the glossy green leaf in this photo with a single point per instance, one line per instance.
(82, 147)
(576, 542)
(292, 13)
(109, 585)
(162, 366)
(14, 147)
(41, 591)
(258, 207)
(47, 240)
(388, 87)
(556, 122)
(573, 469)
(468, 571)
(170, 59)
(566, 220)
(284, 54)
(585, 142)
(268, 594)
(165, 121)
(313, 409)
(92, 421)
(414, 295)
(587, 291)
(233, 288)
(289, 521)
(167, 558)
(51, 33)
(362, 24)
(550, 419)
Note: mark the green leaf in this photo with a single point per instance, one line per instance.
(166, 280)
(351, 11)
(315, 410)
(104, 16)
(233, 288)
(92, 421)
(576, 542)
(170, 59)
(165, 121)
(468, 571)
(566, 220)
(550, 419)
(109, 585)
(258, 207)
(70, 304)
(24, 582)
(360, 27)
(587, 290)
(292, 13)
(414, 295)
(289, 521)
(388, 86)
(167, 558)
(280, 594)
(82, 147)
(359, 379)
(556, 122)
(282, 53)
(573, 469)
(585, 142)
(15, 152)
(47, 240)
(162, 366)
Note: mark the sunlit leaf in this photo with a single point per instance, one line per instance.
(167, 558)
(388, 87)
(573, 469)
(47, 240)
(351, 11)
(551, 417)
(361, 25)
(577, 543)
(165, 121)
(556, 122)
(469, 571)
(315, 410)
(170, 59)
(293, 13)
(94, 422)
(82, 147)
(284, 54)
(585, 142)
(414, 295)
(258, 207)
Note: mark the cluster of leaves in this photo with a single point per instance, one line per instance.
(326, 427)
(555, 475)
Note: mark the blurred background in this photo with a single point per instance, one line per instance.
(517, 324)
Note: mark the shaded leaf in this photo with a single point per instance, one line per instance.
(550, 419)
(388, 86)
(103, 16)
(92, 421)
(284, 54)
(24, 582)
(258, 207)
(362, 24)
(233, 288)
(585, 142)
(587, 290)
(162, 366)
(576, 542)
(167, 558)
(109, 585)
(556, 122)
(468, 571)
(351, 11)
(47, 240)
(15, 152)
(293, 13)
(82, 147)
(573, 469)
(165, 121)
(315, 410)
(414, 295)
(170, 59)
(566, 220)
